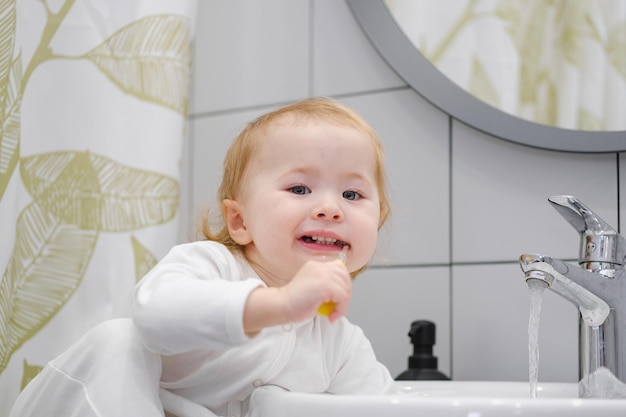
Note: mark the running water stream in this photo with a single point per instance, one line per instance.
(535, 290)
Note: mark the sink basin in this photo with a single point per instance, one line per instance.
(439, 399)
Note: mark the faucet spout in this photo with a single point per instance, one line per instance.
(566, 280)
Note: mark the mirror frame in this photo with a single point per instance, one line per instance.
(397, 50)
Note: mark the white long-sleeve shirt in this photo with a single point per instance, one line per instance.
(189, 309)
(186, 351)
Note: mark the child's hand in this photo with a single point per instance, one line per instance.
(315, 283)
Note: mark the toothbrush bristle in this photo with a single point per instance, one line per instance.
(342, 255)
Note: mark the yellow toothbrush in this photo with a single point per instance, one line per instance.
(326, 308)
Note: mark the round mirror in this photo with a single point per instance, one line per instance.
(402, 55)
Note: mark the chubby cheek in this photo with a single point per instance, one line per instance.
(273, 228)
(364, 240)
(365, 247)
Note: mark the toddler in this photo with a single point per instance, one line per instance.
(217, 318)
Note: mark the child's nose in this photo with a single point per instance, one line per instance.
(328, 210)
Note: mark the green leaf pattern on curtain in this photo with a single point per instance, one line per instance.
(29, 372)
(94, 192)
(77, 195)
(150, 59)
(47, 264)
(10, 77)
(144, 259)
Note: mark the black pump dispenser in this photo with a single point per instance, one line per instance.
(422, 364)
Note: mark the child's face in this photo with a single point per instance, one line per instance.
(309, 190)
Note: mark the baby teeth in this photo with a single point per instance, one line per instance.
(322, 239)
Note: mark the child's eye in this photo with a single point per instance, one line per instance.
(299, 189)
(351, 195)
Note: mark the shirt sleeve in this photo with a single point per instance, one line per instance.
(194, 298)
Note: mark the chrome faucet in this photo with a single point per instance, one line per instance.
(598, 288)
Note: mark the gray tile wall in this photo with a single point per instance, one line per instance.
(465, 205)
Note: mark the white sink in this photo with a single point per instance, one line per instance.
(439, 399)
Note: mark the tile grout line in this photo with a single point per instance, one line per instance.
(450, 249)
(617, 160)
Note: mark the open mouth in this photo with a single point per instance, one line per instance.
(321, 240)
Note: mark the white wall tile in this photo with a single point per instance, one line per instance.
(415, 136)
(343, 60)
(386, 301)
(500, 191)
(490, 313)
(249, 53)
(212, 136)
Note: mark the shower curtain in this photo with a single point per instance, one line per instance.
(93, 103)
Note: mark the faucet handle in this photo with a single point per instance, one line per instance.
(579, 215)
(600, 243)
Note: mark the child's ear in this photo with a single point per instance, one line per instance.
(235, 222)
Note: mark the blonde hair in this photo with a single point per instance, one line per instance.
(249, 140)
